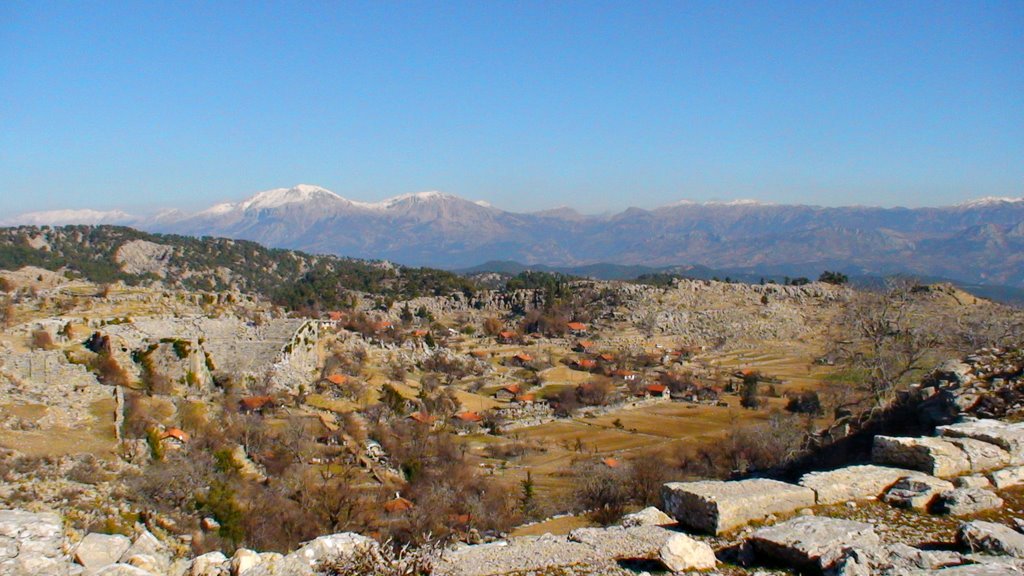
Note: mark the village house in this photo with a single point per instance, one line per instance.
(577, 328)
(585, 346)
(521, 359)
(467, 422)
(422, 418)
(657, 391)
(398, 504)
(338, 379)
(526, 398)
(508, 392)
(256, 404)
(584, 364)
(174, 438)
(627, 375)
(507, 337)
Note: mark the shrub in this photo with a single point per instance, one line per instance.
(42, 340)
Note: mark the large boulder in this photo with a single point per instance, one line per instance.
(813, 543)
(209, 564)
(31, 544)
(649, 516)
(333, 546)
(1009, 437)
(243, 560)
(148, 553)
(964, 501)
(929, 455)
(682, 553)
(991, 537)
(917, 493)
(716, 507)
(855, 482)
(98, 550)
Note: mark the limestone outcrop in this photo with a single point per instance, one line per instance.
(716, 507)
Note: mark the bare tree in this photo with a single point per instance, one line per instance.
(885, 338)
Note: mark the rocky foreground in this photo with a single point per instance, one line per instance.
(947, 505)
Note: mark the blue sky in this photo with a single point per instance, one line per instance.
(528, 105)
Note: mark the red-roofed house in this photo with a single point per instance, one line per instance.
(627, 375)
(658, 390)
(398, 504)
(422, 418)
(526, 398)
(522, 358)
(577, 327)
(508, 392)
(507, 337)
(338, 379)
(175, 437)
(586, 363)
(259, 404)
(585, 346)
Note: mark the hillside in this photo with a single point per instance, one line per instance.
(153, 397)
(105, 254)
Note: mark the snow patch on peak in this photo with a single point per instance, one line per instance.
(739, 202)
(280, 196)
(414, 197)
(65, 217)
(989, 201)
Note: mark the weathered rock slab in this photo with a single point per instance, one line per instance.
(98, 550)
(1008, 477)
(992, 538)
(616, 542)
(1009, 437)
(933, 456)
(716, 507)
(893, 560)
(526, 554)
(982, 456)
(31, 543)
(963, 501)
(917, 493)
(813, 542)
(854, 482)
(973, 481)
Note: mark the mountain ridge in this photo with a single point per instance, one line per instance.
(977, 242)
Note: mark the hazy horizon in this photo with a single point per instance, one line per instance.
(526, 106)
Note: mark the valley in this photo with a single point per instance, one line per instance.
(223, 407)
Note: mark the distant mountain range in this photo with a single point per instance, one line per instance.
(978, 242)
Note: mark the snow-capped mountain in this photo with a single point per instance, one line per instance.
(64, 217)
(977, 241)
